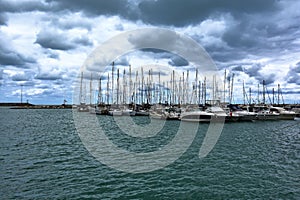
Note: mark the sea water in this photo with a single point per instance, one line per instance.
(43, 157)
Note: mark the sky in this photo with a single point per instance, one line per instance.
(44, 44)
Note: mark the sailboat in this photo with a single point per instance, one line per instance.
(82, 107)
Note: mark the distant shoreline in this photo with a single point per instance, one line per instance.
(32, 106)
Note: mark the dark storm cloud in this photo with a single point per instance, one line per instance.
(48, 76)
(238, 68)
(23, 6)
(256, 34)
(1, 74)
(123, 61)
(10, 57)
(296, 69)
(52, 39)
(83, 41)
(14, 59)
(52, 54)
(156, 53)
(178, 13)
(178, 61)
(67, 24)
(226, 56)
(268, 78)
(240, 36)
(21, 77)
(254, 71)
(91, 7)
(51, 75)
(293, 75)
(160, 12)
(175, 60)
(3, 19)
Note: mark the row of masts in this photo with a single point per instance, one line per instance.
(143, 87)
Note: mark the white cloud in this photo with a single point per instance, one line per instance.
(81, 31)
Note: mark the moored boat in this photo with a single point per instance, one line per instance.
(283, 114)
(115, 112)
(210, 114)
(238, 114)
(264, 113)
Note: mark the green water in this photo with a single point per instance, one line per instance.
(42, 157)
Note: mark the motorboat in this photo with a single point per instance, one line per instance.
(167, 113)
(235, 113)
(128, 112)
(208, 115)
(115, 112)
(264, 113)
(283, 114)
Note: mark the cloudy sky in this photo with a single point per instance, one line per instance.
(43, 44)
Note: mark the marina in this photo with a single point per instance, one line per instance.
(179, 96)
(149, 100)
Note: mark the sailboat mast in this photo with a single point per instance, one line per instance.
(112, 81)
(148, 87)
(250, 98)
(187, 85)
(91, 90)
(199, 94)
(136, 86)
(173, 87)
(204, 93)
(273, 96)
(229, 100)
(244, 93)
(159, 87)
(118, 85)
(258, 100)
(124, 87)
(231, 87)
(224, 88)
(142, 98)
(183, 89)
(278, 87)
(196, 86)
(130, 85)
(80, 92)
(107, 90)
(264, 92)
(213, 89)
(99, 92)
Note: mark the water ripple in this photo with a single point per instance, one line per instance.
(42, 157)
